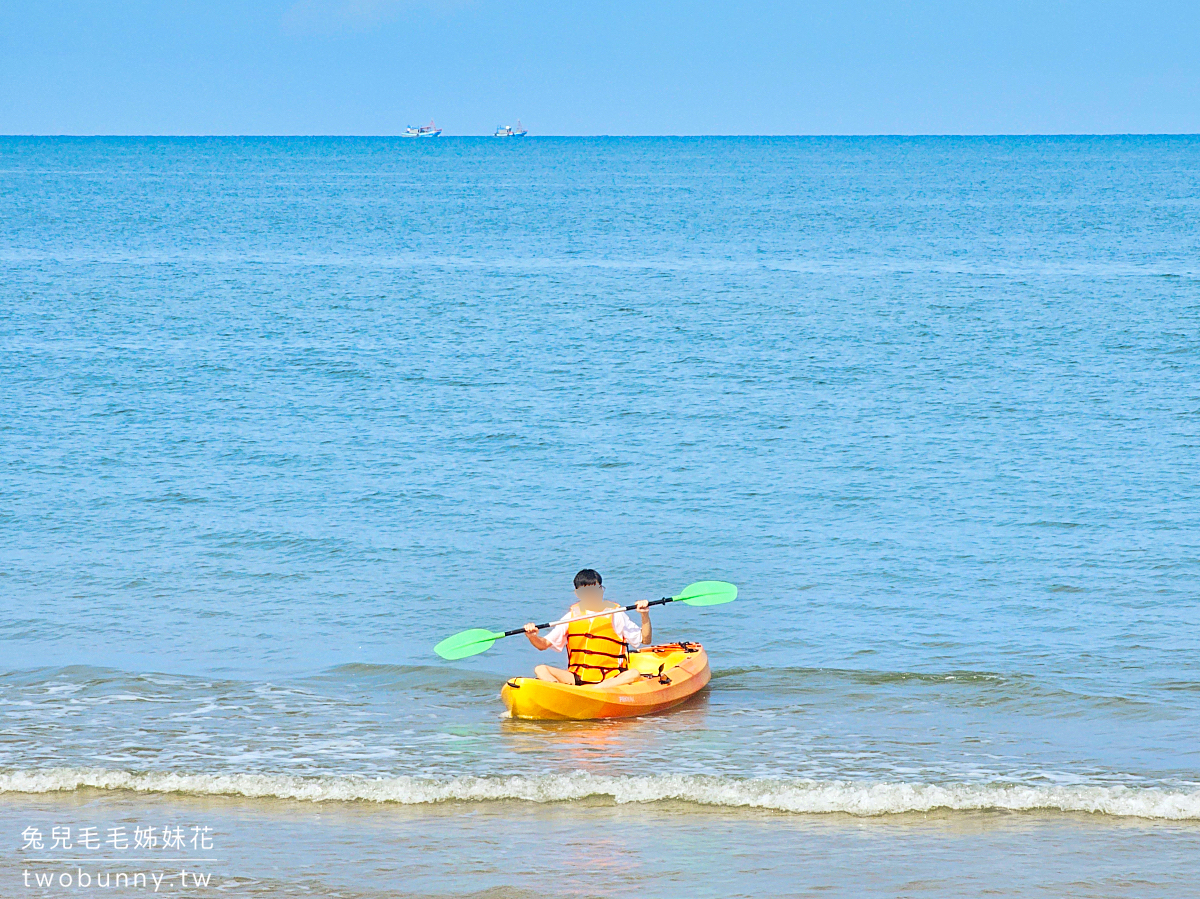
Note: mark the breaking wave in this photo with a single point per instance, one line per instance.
(865, 799)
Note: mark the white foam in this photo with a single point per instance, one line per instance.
(798, 796)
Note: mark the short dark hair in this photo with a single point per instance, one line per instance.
(589, 577)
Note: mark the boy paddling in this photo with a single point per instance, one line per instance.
(598, 648)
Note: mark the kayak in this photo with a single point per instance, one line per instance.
(679, 671)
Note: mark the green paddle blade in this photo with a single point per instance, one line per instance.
(468, 643)
(707, 593)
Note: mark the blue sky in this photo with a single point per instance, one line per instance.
(649, 67)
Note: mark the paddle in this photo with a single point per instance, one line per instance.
(477, 640)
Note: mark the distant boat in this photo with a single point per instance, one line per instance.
(510, 131)
(430, 130)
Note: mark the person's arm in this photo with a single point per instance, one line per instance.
(537, 639)
(556, 638)
(643, 606)
(633, 635)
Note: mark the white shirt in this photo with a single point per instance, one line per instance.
(628, 631)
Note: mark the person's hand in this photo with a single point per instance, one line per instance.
(531, 628)
(643, 606)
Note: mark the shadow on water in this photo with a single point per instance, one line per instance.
(584, 745)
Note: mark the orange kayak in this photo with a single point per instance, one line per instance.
(680, 670)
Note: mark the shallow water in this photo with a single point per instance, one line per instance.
(515, 851)
(280, 414)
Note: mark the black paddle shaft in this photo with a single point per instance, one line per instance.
(656, 602)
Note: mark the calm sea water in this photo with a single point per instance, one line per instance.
(279, 414)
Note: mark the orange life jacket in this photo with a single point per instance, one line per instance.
(595, 651)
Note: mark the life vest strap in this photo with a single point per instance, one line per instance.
(595, 651)
(578, 650)
(588, 637)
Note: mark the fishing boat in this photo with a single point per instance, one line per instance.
(510, 131)
(430, 130)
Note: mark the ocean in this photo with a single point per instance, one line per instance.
(279, 414)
